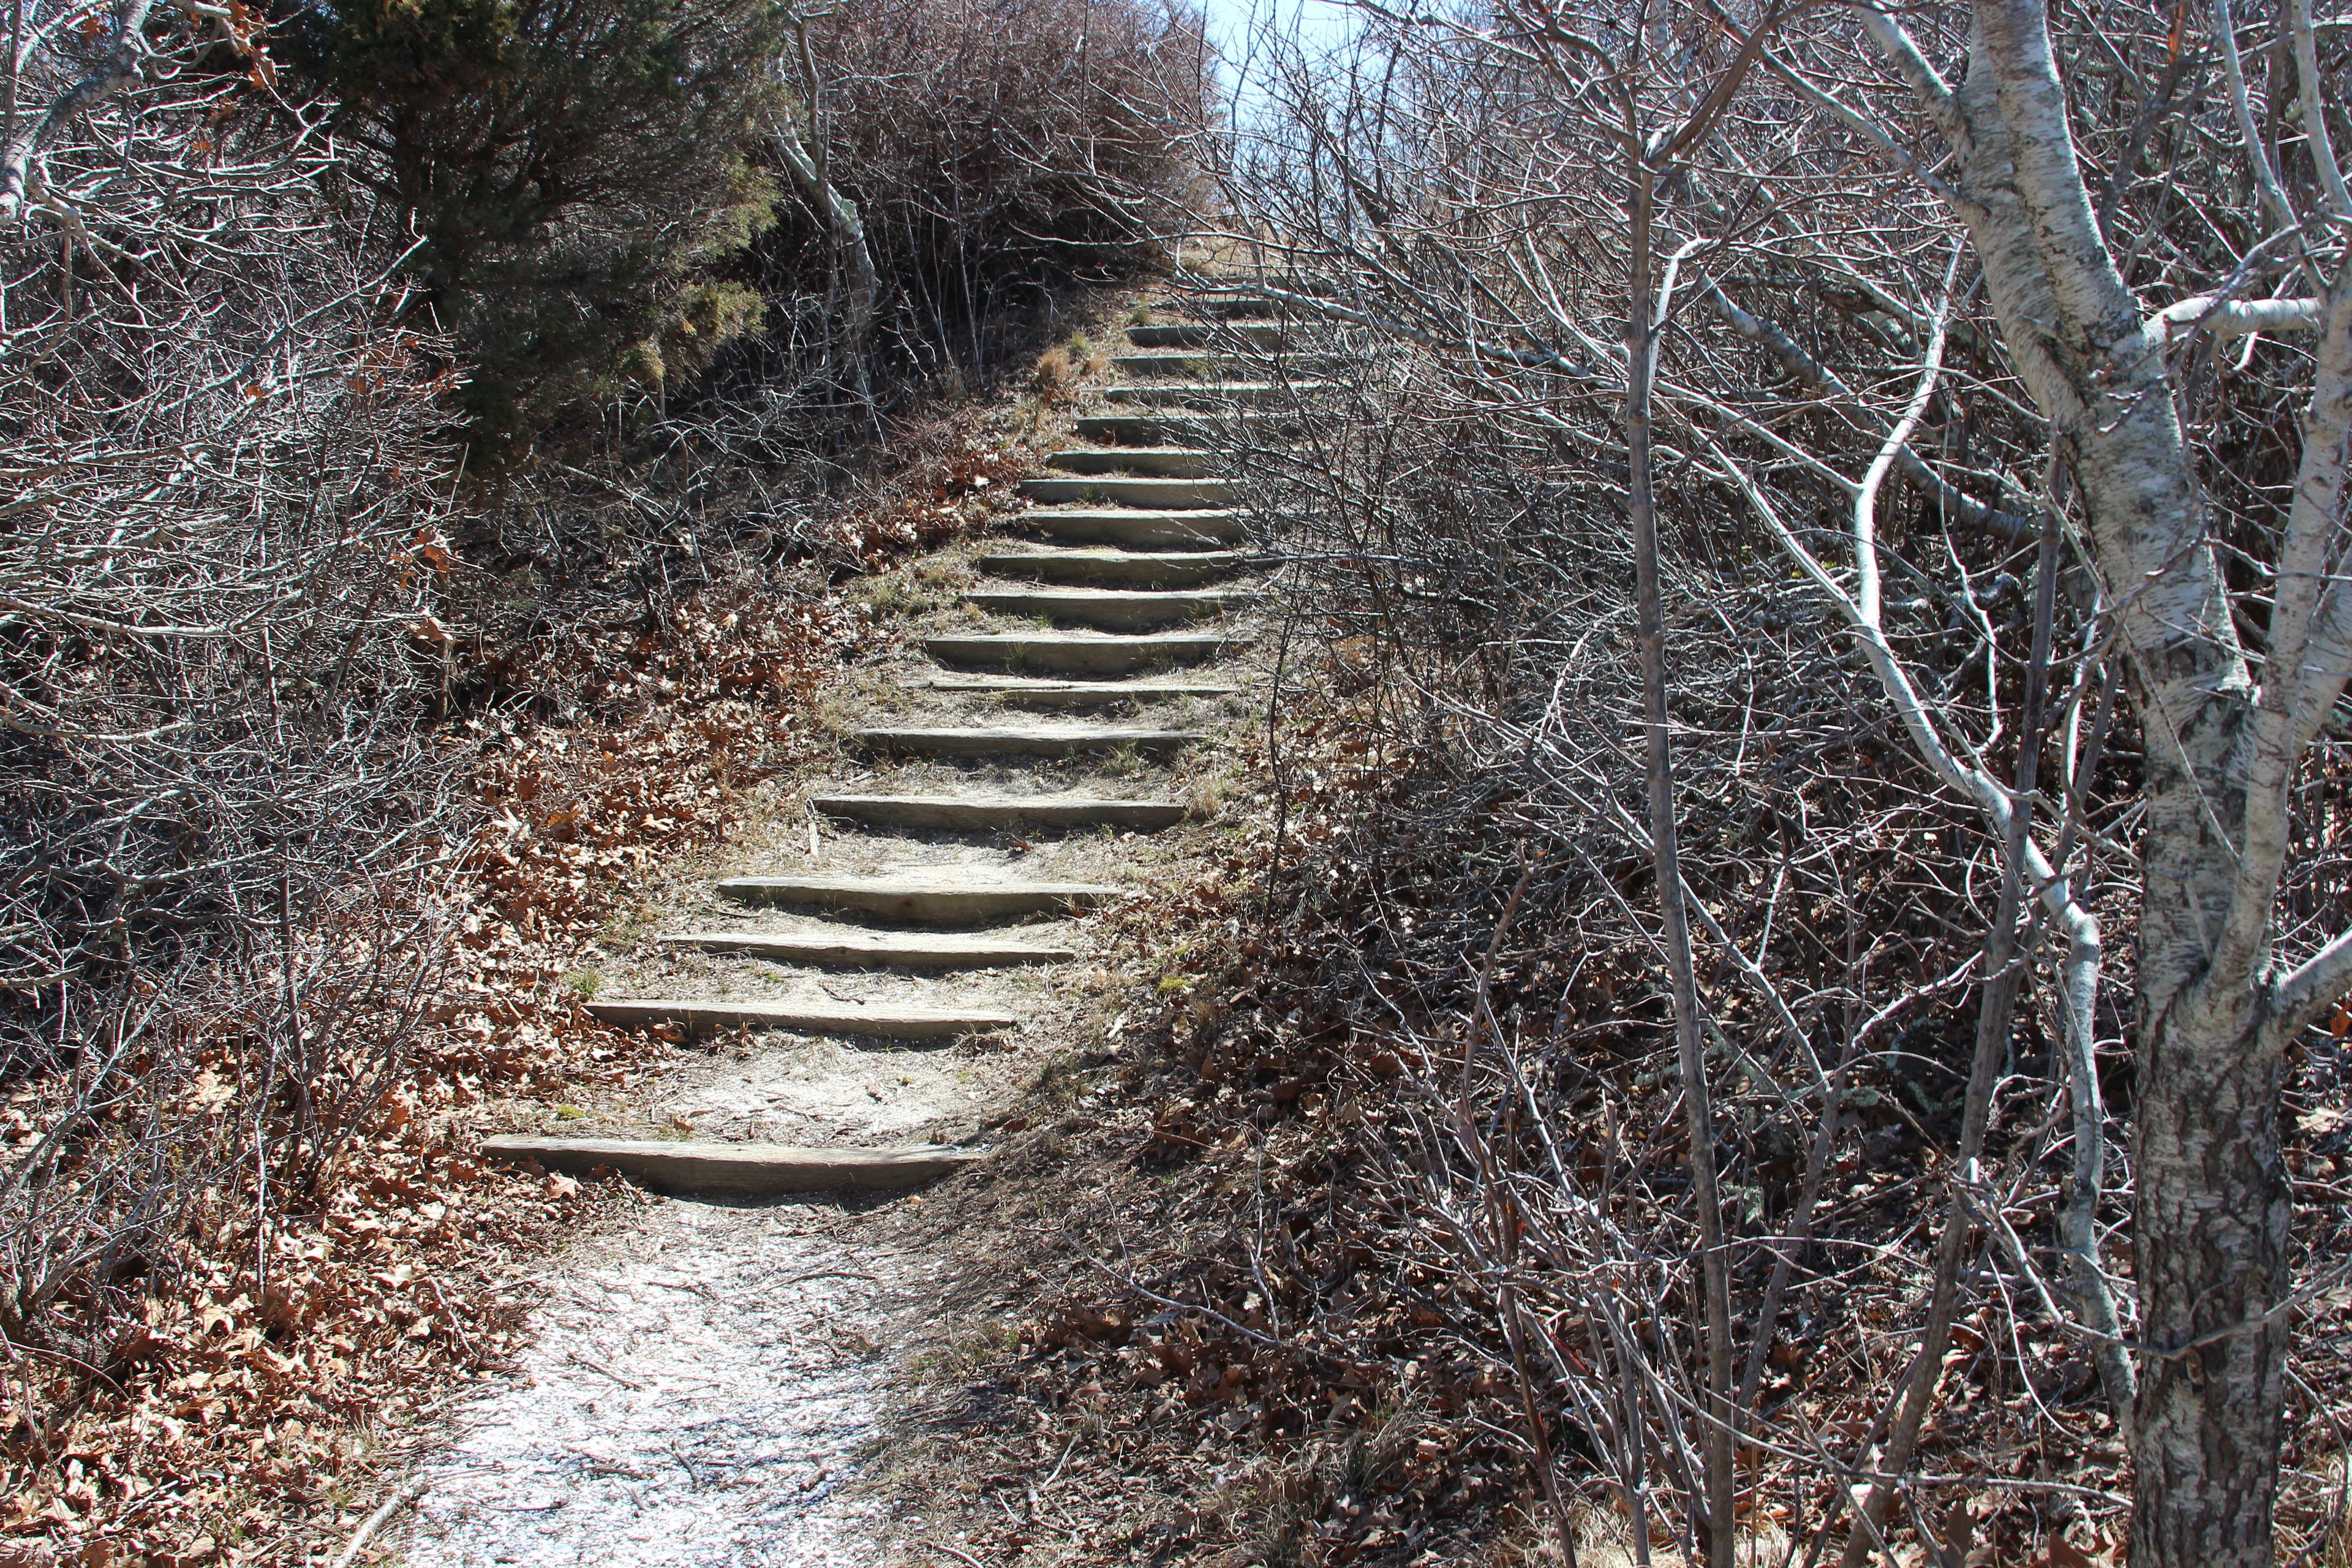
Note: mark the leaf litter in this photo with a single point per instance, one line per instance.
(294, 1354)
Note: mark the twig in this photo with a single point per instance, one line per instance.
(378, 1519)
(455, 1326)
(1293, 1346)
(578, 1359)
(1066, 1449)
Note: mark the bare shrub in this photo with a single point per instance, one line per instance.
(1686, 260)
(998, 152)
(224, 824)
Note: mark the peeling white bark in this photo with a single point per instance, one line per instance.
(115, 70)
(2212, 1206)
(2219, 317)
(803, 149)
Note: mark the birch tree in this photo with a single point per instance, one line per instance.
(2224, 725)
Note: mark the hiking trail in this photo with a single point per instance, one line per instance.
(698, 1388)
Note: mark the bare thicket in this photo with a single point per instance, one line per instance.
(223, 823)
(1008, 149)
(1878, 487)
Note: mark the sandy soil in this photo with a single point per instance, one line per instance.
(697, 1392)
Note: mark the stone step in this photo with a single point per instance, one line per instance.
(874, 950)
(1159, 462)
(881, 1022)
(1077, 654)
(1235, 305)
(991, 814)
(1003, 741)
(1140, 528)
(1240, 291)
(757, 1168)
(1207, 429)
(1211, 365)
(1202, 362)
(1110, 609)
(1209, 394)
(1130, 489)
(1146, 568)
(1197, 334)
(1022, 691)
(929, 901)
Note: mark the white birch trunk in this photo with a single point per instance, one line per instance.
(2213, 1208)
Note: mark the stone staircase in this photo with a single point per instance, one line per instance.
(952, 912)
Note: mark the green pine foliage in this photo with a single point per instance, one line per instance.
(573, 170)
(599, 213)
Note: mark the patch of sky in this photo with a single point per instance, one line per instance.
(1253, 37)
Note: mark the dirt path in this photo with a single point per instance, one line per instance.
(700, 1385)
(754, 1338)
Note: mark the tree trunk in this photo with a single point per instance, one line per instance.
(1714, 1513)
(2210, 1223)
(848, 226)
(811, 167)
(2213, 1217)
